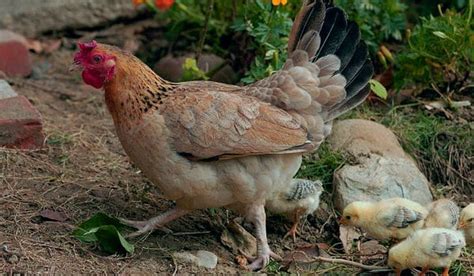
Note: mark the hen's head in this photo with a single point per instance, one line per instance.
(98, 66)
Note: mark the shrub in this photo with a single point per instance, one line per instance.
(439, 53)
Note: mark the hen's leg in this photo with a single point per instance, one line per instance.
(256, 215)
(154, 223)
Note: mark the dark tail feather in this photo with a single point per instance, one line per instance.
(335, 36)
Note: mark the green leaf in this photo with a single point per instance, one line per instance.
(378, 89)
(103, 230)
(191, 71)
(111, 241)
(440, 34)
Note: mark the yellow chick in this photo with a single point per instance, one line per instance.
(443, 213)
(394, 218)
(427, 248)
(466, 223)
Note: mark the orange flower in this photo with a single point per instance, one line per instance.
(279, 2)
(138, 2)
(164, 4)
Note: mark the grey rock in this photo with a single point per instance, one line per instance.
(33, 17)
(201, 258)
(6, 91)
(381, 169)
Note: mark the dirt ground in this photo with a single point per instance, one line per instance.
(83, 170)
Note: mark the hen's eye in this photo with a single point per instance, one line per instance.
(97, 59)
(348, 217)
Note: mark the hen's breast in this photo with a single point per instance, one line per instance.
(201, 184)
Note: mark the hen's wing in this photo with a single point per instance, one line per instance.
(399, 216)
(215, 125)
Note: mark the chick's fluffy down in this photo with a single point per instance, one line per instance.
(427, 248)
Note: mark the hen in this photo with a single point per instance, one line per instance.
(394, 218)
(299, 199)
(207, 144)
(427, 248)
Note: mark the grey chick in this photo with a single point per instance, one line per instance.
(298, 201)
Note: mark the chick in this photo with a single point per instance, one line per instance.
(466, 223)
(394, 218)
(443, 213)
(299, 200)
(427, 248)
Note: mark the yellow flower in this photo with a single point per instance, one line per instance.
(279, 2)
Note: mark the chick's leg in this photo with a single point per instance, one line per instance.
(445, 271)
(294, 228)
(154, 223)
(423, 271)
(256, 215)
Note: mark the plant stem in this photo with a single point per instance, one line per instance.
(202, 39)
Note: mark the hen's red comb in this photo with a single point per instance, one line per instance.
(87, 46)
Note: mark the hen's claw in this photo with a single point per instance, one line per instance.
(260, 262)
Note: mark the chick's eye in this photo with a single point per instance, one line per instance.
(97, 58)
(348, 217)
(471, 220)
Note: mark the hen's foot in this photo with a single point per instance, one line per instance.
(157, 222)
(261, 261)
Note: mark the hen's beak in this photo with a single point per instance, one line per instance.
(462, 225)
(75, 67)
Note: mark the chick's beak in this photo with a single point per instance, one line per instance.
(342, 221)
(462, 225)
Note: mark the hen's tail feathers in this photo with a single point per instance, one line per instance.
(334, 44)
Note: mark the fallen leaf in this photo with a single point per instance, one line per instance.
(241, 261)
(49, 214)
(347, 235)
(238, 239)
(301, 254)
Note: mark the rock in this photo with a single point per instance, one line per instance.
(20, 124)
(32, 17)
(15, 59)
(171, 68)
(200, 258)
(381, 169)
(6, 91)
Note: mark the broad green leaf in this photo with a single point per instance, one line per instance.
(103, 230)
(378, 89)
(84, 230)
(111, 241)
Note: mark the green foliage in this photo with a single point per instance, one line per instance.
(104, 231)
(378, 89)
(191, 71)
(269, 28)
(322, 166)
(379, 20)
(439, 52)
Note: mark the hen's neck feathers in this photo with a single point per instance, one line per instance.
(135, 88)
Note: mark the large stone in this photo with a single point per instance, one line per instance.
(15, 59)
(381, 169)
(20, 124)
(33, 17)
